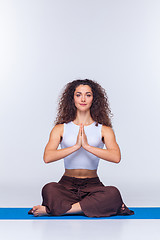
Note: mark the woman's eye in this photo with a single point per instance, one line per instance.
(78, 95)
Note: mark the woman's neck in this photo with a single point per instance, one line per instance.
(83, 117)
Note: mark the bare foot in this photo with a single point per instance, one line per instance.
(123, 207)
(39, 211)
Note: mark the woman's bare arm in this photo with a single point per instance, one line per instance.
(112, 153)
(51, 154)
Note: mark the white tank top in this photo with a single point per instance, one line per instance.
(81, 159)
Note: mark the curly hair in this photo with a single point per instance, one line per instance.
(100, 110)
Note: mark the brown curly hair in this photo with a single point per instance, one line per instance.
(100, 110)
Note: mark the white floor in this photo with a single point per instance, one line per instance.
(80, 229)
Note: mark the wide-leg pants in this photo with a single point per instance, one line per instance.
(95, 199)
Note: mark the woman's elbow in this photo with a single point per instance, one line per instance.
(118, 159)
(45, 159)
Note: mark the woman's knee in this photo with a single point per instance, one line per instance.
(49, 187)
(113, 191)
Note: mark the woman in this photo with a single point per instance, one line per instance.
(82, 127)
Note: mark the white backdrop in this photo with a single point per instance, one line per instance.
(44, 44)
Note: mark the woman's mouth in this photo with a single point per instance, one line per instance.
(83, 104)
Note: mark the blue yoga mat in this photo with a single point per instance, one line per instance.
(22, 214)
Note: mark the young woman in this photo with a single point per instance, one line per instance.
(82, 128)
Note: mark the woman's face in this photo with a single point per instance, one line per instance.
(83, 97)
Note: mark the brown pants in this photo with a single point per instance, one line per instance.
(95, 199)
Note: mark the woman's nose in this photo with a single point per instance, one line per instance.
(83, 98)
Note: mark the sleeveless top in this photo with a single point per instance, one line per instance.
(81, 159)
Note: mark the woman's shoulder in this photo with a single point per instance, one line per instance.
(58, 128)
(107, 130)
(59, 125)
(106, 127)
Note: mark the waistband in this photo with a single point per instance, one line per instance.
(80, 180)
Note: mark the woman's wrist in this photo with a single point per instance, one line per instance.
(86, 146)
(76, 147)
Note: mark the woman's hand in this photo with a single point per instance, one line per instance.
(81, 138)
(84, 137)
